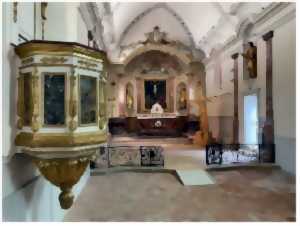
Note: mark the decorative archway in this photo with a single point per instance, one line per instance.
(162, 64)
(168, 9)
(185, 56)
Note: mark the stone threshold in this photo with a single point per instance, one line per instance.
(140, 169)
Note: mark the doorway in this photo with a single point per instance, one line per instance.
(251, 119)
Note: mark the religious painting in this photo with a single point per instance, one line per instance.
(54, 99)
(155, 92)
(88, 99)
(27, 99)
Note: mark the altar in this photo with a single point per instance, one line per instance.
(166, 124)
(158, 90)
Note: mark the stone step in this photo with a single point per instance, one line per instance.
(149, 141)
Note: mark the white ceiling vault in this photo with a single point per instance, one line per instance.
(200, 25)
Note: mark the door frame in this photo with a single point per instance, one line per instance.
(248, 93)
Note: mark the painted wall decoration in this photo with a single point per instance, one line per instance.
(88, 99)
(54, 99)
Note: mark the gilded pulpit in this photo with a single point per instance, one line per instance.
(61, 109)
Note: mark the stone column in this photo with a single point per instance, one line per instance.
(236, 99)
(268, 130)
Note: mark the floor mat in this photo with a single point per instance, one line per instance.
(195, 177)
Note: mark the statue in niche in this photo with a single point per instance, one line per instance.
(129, 98)
(156, 36)
(182, 99)
(251, 57)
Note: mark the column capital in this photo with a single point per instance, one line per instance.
(268, 36)
(235, 56)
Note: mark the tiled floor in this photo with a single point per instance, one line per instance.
(263, 194)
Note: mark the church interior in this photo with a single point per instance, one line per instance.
(148, 111)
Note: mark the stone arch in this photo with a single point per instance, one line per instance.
(158, 6)
(186, 58)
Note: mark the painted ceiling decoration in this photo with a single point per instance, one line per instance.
(202, 26)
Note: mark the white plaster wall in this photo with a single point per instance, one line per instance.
(62, 21)
(284, 80)
(82, 31)
(113, 95)
(26, 196)
(220, 99)
(284, 95)
(26, 19)
(158, 17)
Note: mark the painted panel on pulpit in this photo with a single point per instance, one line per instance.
(88, 99)
(54, 99)
(27, 97)
(155, 92)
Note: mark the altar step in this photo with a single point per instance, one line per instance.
(138, 141)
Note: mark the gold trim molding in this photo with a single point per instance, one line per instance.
(87, 64)
(28, 60)
(63, 173)
(53, 60)
(20, 102)
(28, 139)
(41, 47)
(35, 81)
(102, 105)
(73, 104)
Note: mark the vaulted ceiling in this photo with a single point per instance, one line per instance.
(200, 25)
